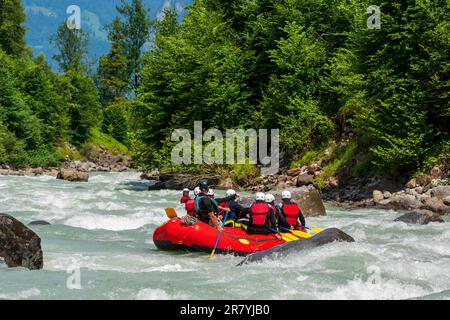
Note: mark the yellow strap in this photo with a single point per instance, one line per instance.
(171, 213)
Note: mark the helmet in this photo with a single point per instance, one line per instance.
(259, 196)
(185, 190)
(210, 192)
(203, 186)
(269, 198)
(286, 194)
(197, 191)
(230, 192)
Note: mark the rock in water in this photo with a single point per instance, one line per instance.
(307, 197)
(310, 203)
(39, 223)
(19, 245)
(326, 236)
(420, 217)
(72, 175)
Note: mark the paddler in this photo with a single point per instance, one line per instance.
(205, 209)
(185, 197)
(290, 216)
(262, 216)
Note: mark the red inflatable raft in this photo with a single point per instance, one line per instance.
(174, 235)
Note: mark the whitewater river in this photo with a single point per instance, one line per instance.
(102, 231)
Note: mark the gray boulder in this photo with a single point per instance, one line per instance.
(39, 223)
(307, 197)
(72, 175)
(420, 217)
(19, 245)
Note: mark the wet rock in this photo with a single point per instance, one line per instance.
(72, 175)
(436, 205)
(157, 186)
(377, 196)
(307, 197)
(440, 192)
(446, 200)
(404, 201)
(150, 175)
(304, 179)
(420, 217)
(39, 223)
(19, 245)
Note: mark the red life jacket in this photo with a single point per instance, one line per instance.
(291, 211)
(184, 199)
(259, 212)
(189, 206)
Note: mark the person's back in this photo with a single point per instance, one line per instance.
(262, 217)
(290, 213)
(205, 209)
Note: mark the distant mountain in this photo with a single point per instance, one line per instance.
(44, 17)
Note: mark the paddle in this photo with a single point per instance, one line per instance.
(171, 213)
(218, 237)
(284, 236)
(301, 233)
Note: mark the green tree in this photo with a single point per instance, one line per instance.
(83, 104)
(72, 48)
(112, 70)
(11, 30)
(136, 31)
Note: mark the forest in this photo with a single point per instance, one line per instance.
(339, 91)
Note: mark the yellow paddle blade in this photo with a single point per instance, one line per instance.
(288, 237)
(171, 213)
(301, 234)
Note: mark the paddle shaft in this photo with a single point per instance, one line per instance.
(218, 237)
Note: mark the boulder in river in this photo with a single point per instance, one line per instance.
(72, 175)
(307, 197)
(19, 245)
(420, 217)
(39, 223)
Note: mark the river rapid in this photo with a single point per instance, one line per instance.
(99, 246)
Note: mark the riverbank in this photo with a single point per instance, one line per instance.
(104, 161)
(429, 191)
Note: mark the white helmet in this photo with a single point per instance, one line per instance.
(197, 191)
(269, 198)
(286, 194)
(230, 192)
(210, 192)
(259, 196)
(185, 190)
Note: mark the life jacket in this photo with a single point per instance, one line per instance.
(185, 199)
(226, 204)
(189, 206)
(291, 211)
(259, 211)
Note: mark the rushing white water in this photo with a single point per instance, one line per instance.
(105, 227)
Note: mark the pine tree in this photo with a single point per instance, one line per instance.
(11, 30)
(72, 46)
(112, 71)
